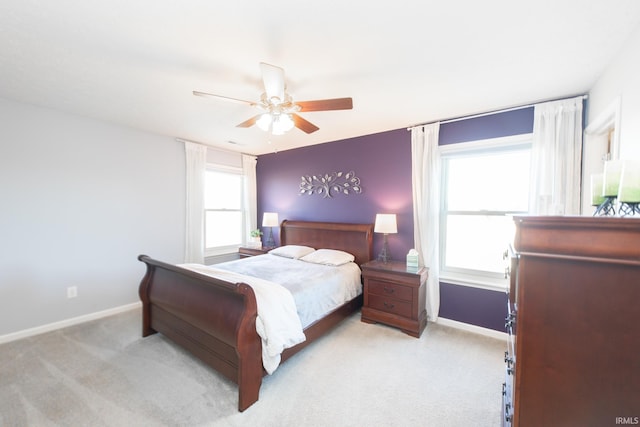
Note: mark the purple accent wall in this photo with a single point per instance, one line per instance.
(515, 122)
(382, 161)
(480, 307)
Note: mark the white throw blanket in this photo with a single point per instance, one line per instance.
(277, 324)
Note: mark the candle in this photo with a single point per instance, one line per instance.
(629, 191)
(596, 189)
(611, 182)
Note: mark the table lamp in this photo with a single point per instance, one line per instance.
(385, 223)
(270, 219)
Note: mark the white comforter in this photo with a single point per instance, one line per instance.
(277, 323)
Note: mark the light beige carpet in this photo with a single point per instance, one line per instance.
(102, 373)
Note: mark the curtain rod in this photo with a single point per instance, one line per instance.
(488, 113)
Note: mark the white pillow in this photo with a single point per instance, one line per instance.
(328, 257)
(292, 251)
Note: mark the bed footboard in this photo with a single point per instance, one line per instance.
(213, 319)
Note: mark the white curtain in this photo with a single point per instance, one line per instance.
(556, 157)
(196, 160)
(250, 194)
(425, 162)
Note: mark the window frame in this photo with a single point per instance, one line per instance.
(226, 249)
(463, 276)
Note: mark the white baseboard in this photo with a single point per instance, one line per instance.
(472, 328)
(68, 322)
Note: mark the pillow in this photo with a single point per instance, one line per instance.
(328, 257)
(292, 251)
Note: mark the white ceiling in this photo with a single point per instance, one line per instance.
(136, 62)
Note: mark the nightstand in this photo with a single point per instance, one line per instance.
(395, 295)
(246, 252)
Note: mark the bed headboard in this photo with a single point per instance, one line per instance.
(357, 239)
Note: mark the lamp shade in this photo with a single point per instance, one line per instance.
(385, 223)
(270, 219)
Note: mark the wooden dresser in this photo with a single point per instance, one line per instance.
(573, 356)
(395, 295)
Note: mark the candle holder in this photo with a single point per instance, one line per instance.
(606, 208)
(629, 208)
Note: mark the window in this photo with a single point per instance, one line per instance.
(223, 210)
(484, 183)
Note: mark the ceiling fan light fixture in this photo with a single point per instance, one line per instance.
(264, 122)
(281, 124)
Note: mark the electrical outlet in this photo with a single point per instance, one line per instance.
(72, 291)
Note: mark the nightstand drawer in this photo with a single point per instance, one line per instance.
(395, 295)
(390, 305)
(389, 289)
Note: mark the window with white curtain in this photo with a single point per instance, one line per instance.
(484, 183)
(224, 210)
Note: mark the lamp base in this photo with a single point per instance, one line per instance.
(385, 254)
(270, 242)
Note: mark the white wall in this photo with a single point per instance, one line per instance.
(621, 78)
(80, 200)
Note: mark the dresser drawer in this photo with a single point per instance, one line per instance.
(390, 305)
(388, 289)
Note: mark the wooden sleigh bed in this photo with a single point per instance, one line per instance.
(216, 320)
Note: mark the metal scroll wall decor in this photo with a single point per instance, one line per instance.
(325, 185)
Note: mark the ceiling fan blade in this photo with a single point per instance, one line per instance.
(304, 125)
(326, 104)
(249, 122)
(226, 98)
(273, 79)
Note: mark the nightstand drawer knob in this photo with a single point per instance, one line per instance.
(389, 305)
(389, 290)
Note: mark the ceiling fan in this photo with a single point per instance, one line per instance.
(279, 111)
